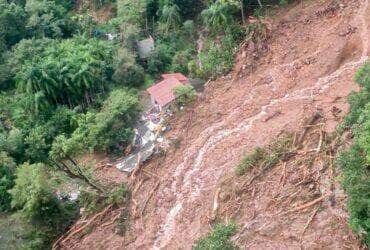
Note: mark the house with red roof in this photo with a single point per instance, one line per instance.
(161, 93)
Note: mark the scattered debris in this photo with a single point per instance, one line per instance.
(74, 231)
(307, 205)
(215, 204)
(145, 142)
(309, 222)
(149, 196)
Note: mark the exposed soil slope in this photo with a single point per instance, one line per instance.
(311, 57)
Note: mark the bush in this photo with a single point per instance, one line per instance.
(220, 14)
(33, 196)
(355, 162)
(189, 29)
(363, 76)
(129, 74)
(7, 176)
(266, 157)
(218, 59)
(250, 161)
(160, 59)
(113, 124)
(218, 239)
(13, 143)
(357, 102)
(93, 202)
(356, 183)
(181, 61)
(185, 94)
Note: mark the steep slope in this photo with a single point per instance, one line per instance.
(314, 49)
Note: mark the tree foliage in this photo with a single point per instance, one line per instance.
(33, 195)
(12, 23)
(69, 72)
(47, 18)
(111, 128)
(356, 161)
(7, 175)
(170, 18)
(185, 94)
(220, 14)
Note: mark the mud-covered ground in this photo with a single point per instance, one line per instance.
(306, 66)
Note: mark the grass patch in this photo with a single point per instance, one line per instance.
(251, 160)
(266, 157)
(218, 239)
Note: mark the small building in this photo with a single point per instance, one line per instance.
(145, 47)
(161, 93)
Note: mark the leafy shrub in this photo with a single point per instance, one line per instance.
(189, 29)
(7, 176)
(218, 239)
(181, 61)
(355, 161)
(356, 183)
(220, 14)
(185, 94)
(13, 143)
(113, 124)
(170, 18)
(160, 59)
(33, 195)
(38, 141)
(129, 74)
(357, 103)
(217, 59)
(266, 157)
(93, 202)
(363, 76)
(362, 132)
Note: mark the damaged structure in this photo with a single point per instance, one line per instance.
(161, 94)
(146, 141)
(147, 138)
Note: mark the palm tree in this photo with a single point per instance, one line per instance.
(170, 17)
(220, 14)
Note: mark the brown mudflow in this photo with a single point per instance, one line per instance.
(306, 66)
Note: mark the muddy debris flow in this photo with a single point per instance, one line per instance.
(306, 66)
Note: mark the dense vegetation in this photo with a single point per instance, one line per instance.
(67, 90)
(356, 161)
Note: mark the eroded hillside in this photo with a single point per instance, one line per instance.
(306, 66)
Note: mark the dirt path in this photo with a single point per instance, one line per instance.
(312, 55)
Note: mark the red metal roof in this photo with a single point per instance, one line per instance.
(178, 76)
(162, 92)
